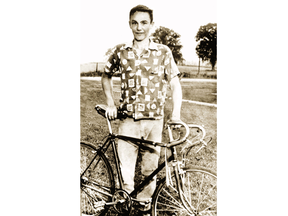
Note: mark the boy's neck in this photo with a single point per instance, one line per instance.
(141, 44)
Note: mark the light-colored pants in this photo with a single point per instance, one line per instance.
(150, 130)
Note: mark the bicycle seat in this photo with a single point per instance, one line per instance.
(101, 109)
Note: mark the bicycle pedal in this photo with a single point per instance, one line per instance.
(99, 205)
(144, 205)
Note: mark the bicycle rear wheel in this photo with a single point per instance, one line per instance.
(199, 194)
(97, 183)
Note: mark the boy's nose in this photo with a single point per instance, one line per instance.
(139, 27)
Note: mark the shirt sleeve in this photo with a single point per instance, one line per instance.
(112, 64)
(171, 69)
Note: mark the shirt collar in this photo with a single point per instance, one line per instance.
(152, 45)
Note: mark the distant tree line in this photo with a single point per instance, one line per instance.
(206, 48)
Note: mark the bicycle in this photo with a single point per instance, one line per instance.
(190, 190)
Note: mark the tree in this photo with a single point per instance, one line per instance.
(170, 38)
(206, 49)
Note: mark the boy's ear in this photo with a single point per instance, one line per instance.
(151, 25)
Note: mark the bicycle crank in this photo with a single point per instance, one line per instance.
(123, 202)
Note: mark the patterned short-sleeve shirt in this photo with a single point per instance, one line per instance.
(144, 78)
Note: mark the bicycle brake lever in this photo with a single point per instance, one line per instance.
(189, 143)
(204, 144)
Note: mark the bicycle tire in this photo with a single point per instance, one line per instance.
(200, 190)
(101, 174)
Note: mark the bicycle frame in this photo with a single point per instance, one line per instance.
(110, 140)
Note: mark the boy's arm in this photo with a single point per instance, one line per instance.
(176, 91)
(107, 86)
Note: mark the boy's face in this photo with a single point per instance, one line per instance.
(141, 25)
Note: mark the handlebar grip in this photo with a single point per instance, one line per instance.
(177, 142)
(101, 109)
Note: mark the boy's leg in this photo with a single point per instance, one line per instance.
(128, 152)
(152, 130)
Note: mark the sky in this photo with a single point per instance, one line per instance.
(105, 24)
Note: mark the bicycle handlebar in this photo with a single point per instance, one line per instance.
(101, 109)
(177, 142)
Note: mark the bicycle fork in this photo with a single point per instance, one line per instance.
(179, 172)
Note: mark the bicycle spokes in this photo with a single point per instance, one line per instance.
(97, 181)
(200, 193)
(197, 196)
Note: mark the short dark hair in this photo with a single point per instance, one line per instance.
(142, 8)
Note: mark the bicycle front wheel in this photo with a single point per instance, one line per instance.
(199, 194)
(97, 181)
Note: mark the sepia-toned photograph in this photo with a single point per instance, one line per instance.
(161, 132)
(148, 108)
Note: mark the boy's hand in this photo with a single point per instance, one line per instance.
(111, 112)
(174, 120)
